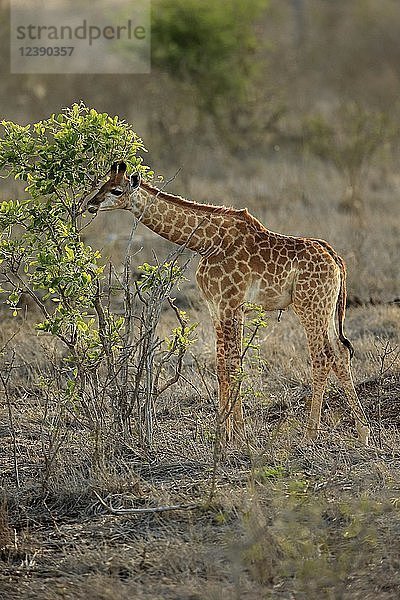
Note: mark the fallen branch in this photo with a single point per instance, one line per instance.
(144, 511)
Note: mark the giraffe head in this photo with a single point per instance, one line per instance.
(117, 191)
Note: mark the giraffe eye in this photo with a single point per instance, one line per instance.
(116, 192)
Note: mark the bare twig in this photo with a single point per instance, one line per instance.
(4, 378)
(144, 511)
(391, 353)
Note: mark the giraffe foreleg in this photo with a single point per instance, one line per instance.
(229, 330)
(224, 416)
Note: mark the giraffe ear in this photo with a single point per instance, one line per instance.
(122, 167)
(135, 180)
(114, 168)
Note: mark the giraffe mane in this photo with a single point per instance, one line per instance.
(241, 213)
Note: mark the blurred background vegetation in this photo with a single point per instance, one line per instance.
(287, 106)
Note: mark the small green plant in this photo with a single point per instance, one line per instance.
(152, 275)
(266, 473)
(251, 355)
(257, 322)
(254, 324)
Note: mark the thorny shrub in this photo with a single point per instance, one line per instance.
(112, 367)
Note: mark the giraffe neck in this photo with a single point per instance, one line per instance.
(181, 221)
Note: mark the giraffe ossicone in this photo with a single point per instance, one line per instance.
(242, 261)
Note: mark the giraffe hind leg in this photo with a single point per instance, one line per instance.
(327, 355)
(322, 362)
(342, 370)
(321, 356)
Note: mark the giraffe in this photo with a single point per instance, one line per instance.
(241, 262)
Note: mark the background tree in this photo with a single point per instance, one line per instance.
(350, 139)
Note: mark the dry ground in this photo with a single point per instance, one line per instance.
(287, 520)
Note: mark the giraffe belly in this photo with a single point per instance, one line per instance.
(270, 296)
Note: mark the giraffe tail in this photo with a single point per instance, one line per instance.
(341, 300)
(341, 305)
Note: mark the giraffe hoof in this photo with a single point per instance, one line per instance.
(239, 431)
(227, 437)
(364, 434)
(310, 434)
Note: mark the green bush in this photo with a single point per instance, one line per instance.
(109, 362)
(60, 159)
(209, 44)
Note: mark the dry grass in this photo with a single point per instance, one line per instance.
(287, 520)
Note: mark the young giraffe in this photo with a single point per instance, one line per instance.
(242, 261)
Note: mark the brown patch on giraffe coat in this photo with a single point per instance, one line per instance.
(191, 221)
(229, 265)
(209, 231)
(228, 240)
(186, 230)
(256, 265)
(226, 281)
(237, 277)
